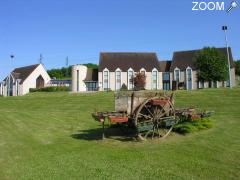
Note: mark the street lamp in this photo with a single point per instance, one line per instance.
(224, 28)
(9, 79)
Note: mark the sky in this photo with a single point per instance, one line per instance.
(81, 29)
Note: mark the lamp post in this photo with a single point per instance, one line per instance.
(9, 79)
(224, 28)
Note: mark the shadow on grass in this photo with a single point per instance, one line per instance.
(110, 133)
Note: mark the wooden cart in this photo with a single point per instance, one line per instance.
(148, 114)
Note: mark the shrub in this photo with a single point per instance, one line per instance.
(109, 90)
(31, 90)
(181, 85)
(124, 87)
(184, 128)
(193, 126)
(139, 81)
(50, 89)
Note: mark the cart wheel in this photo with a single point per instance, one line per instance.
(149, 119)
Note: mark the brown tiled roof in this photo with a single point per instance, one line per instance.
(165, 66)
(23, 72)
(124, 61)
(92, 75)
(183, 59)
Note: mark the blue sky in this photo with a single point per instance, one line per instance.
(80, 29)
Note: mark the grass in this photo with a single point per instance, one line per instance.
(52, 136)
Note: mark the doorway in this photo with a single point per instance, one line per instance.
(39, 82)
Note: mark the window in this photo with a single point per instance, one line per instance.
(154, 79)
(215, 84)
(77, 80)
(10, 86)
(166, 76)
(130, 79)
(189, 78)
(91, 86)
(143, 71)
(228, 83)
(105, 80)
(118, 80)
(200, 84)
(166, 81)
(177, 74)
(1, 92)
(17, 88)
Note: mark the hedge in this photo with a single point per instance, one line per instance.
(50, 89)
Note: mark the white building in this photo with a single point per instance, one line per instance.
(20, 80)
(116, 69)
(84, 79)
(183, 71)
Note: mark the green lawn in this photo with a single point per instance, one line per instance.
(52, 136)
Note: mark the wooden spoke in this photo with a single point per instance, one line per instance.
(148, 110)
(150, 119)
(146, 116)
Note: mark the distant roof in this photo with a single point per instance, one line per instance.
(183, 59)
(165, 66)
(124, 61)
(23, 72)
(92, 75)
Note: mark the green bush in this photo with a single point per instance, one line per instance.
(124, 87)
(184, 128)
(193, 126)
(31, 90)
(50, 89)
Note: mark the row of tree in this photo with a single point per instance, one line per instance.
(66, 72)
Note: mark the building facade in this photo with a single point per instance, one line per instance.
(84, 79)
(117, 69)
(20, 80)
(184, 72)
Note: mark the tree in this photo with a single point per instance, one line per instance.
(211, 65)
(66, 72)
(91, 65)
(139, 81)
(237, 67)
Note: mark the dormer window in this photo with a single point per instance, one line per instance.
(106, 79)
(177, 74)
(118, 79)
(189, 78)
(143, 71)
(154, 79)
(130, 79)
